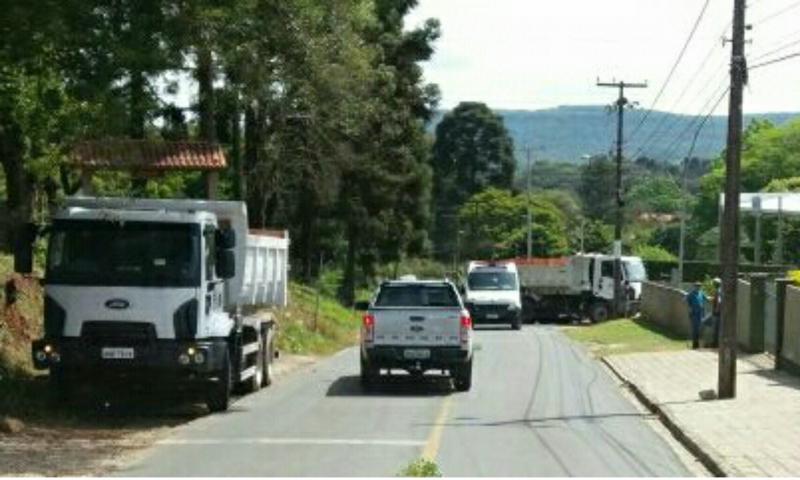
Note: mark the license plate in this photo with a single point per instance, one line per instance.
(417, 354)
(492, 316)
(114, 353)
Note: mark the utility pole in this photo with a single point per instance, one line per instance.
(621, 103)
(528, 201)
(729, 231)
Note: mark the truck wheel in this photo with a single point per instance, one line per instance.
(462, 377)
(516, 324)
(269, 357)
(599, 312)
(60, 387)
(369, 374)
(219, 397)
(254, 383)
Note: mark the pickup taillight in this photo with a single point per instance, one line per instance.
(369, 327)
(466, 327)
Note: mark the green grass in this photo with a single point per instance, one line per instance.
(421, 468)
(625, 336)
(304, 329)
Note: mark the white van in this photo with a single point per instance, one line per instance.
(492, 293)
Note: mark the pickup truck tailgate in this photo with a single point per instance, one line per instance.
(417, 326)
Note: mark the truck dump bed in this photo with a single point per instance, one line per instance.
(552, 276)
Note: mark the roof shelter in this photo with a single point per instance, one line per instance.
(147, 158)
(760, 205)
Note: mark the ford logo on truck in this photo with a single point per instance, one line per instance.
(118, 304)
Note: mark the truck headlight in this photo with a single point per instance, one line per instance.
(199, 358)
(41, 356)
(184, 359)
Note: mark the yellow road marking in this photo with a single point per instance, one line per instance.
(435, 437)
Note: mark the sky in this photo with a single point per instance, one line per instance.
(536, 54)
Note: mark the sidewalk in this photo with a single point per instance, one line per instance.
(755, 434)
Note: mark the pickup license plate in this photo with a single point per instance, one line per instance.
(492, 316)
(417, 354)
(115, 353)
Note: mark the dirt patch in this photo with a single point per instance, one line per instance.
(104, 437)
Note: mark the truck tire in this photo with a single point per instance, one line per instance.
(219, 396)
(369, 374)
(254, 383)
(269, 357)
(462, 377)
(599, 312)
(516, 324)
(60, 387)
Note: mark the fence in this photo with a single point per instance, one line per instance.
(665, 306)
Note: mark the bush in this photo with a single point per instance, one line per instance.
(653, 253)
(421, 468)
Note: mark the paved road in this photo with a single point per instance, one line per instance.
(539, 407)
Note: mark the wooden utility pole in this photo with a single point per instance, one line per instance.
(620, 105)
(528, 203)
(729, 231)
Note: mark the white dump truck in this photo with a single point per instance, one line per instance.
(578, 286)
(163, 291)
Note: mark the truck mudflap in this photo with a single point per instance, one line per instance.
(204, 357)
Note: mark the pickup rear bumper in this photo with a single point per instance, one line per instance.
(395, 357)
(151, 359)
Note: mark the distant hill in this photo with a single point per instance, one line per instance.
(568, 133)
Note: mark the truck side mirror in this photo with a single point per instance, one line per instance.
(226, 239)
(226, 264)
(361, 306)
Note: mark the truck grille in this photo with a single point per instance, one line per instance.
(484, 309)
(117, 333)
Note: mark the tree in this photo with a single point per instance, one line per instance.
(656, 194)
(597, 189)
(495, 226)
(473, 151)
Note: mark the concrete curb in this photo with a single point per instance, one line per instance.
(708, 461)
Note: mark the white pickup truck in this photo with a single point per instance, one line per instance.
(416, 326)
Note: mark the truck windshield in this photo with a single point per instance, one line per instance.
(492, 281)
(417, 296)
(635, 271)
(104, 253)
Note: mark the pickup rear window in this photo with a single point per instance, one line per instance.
(417, 296)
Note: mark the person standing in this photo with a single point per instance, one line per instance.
(696, 301)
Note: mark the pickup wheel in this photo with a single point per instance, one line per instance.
(219, 397)
(369, 374)
(462, 377)
(599, 312)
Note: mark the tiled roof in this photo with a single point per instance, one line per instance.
(147, 155)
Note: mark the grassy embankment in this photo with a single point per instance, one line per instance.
(625, 336)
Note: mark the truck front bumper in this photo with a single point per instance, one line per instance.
(395, 357)
(174, 357)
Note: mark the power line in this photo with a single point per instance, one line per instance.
(776, 60)
(776, 50)
(646, 143)
(778, 13)
(672, 147)
(674, 67)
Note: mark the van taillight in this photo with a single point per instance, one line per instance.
(466, 326)
(369, 327)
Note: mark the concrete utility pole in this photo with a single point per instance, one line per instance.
(729, 231)
(621, 103)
